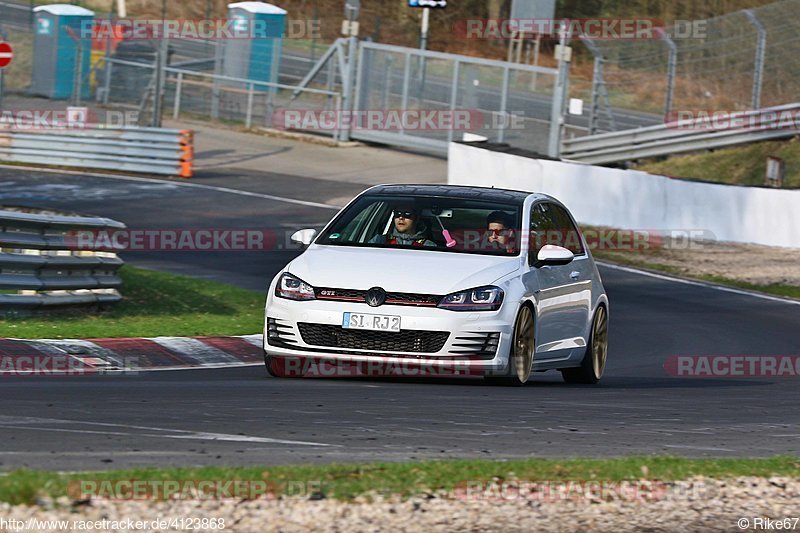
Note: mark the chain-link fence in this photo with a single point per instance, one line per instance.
(743, 60)
(501, 101)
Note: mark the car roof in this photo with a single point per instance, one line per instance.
(456, 191)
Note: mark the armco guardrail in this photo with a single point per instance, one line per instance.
(683, 136)
(142, 150)
(39, 266)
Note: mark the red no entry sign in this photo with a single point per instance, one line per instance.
(6, 54)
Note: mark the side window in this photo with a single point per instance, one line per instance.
(541, 227)
(567, 233)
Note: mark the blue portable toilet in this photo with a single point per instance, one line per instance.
(61, 31)
(256, 57)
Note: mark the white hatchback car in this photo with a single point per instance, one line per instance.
(495, 282)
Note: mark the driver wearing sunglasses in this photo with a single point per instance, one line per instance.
(407, 229)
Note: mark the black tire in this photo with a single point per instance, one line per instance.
(594, 362)
(523, 351)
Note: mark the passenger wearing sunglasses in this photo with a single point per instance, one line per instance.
(407, 229)
(500, 233)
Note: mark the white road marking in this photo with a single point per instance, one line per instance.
(165, 433)
(702, 448)
(664, 277)
(179, 184)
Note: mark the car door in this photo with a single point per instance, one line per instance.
(563, 292)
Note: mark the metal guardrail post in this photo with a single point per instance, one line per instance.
(176, 110)
(672, 62)
(758, 67)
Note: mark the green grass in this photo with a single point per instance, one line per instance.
(155, 303)
(345, 481)
(740, 165)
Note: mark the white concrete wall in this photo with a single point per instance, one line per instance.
(631, 199)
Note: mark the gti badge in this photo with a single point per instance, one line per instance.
(376, 296)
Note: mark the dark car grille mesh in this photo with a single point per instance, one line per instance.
(392, 298)
(402, 341)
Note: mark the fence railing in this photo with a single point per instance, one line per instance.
(680, 136)
(40, 267)
(207, 95)
(145, 150)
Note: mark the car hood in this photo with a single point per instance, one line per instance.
(398, 270)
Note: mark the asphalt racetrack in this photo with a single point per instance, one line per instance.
(241, 416)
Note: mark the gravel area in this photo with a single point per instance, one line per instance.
(693, 505)
(751, 263)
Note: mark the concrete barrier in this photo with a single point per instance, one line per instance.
(632, 199)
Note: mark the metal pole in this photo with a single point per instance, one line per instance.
(161, 64)
(215, 90)
(77, 83)
(349, 85)
(426, 19)
(107, 82)
(536, 46)
(453, 95)
(248, 122)
(176, 111)
(504, 105)
(758, 68)
(2, 81)
(594, 109)
(672, 62)
(559, 99)
(387, 81)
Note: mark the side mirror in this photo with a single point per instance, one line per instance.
(304, 236)
(552, 255)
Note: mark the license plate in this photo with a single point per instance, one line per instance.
(371, 322)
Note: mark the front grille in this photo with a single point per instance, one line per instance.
(392, 298)
(383, 341)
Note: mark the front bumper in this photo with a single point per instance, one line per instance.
(463, 328)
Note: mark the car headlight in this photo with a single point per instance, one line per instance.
(293, 288)
(478, 299)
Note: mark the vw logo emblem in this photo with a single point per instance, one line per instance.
(376, 296)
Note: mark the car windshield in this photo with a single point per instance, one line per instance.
(427, 223)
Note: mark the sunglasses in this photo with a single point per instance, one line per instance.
(405, 214)
(500, 232)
